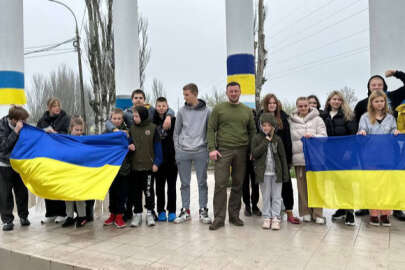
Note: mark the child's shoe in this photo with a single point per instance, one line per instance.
(385, 221)
(119, 222)
(150, 219)
(80, 222)
(59, 219)
(266, 224)
(110, 220)
(162, 217)
(47, 220)
(183, 217)
(349, 220)
(320, 220)
(306, 218)
(204, 218)
(68, 222)
(171, 217)
(275, 224)
(374, 221)
(137, 220)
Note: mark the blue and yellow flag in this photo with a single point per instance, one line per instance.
(356, 172)
(63, 167)
(12, 88)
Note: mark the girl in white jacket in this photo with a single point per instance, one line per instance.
(305, 122)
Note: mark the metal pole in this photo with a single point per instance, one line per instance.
(76, 44)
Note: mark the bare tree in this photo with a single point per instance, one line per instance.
(288, 107)
(214, 98)
(260, 51)
(63, 84)
(157, 89)
(350, 96)
(144, 49)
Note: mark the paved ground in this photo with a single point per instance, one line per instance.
(193, 246)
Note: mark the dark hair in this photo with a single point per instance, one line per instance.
(161, 99)
(117, 111)
(232, 84)
(17, 113)
(192, 87)
(138, 91)
(277, 113)
(317, 101)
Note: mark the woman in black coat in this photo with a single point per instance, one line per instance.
(339, 121)
(54, 120)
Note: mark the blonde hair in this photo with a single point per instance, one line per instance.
(301, 99)
(52, 101)
(370, 109)
(76, 120)
(347, 112)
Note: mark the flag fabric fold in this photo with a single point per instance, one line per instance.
(356, 172)
(64, 167)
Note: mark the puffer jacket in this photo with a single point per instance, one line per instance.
(310, 124)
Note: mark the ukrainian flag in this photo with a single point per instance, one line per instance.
(12, 88)
(71, 168)
(356, 172)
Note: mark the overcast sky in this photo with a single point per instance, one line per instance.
(315, 46)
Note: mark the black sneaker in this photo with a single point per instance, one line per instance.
(8, 226)
(385, 221)
(80, 222)
(339, 214)
(68, 222)
(256, 211)
(248, 211)
(349, 221)
(25, 222)
(155, 216)
(398, 214)
(362, 212)
(374, 221)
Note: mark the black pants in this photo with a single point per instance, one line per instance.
(90, 209)
(250, 199)
(55, 208)
(9, 181)
(140, 181)
(288, 195)
(118, 194)
(167, 174)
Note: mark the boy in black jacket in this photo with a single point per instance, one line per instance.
(10, 127)
(168, 170)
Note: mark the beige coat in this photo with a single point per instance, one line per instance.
(310, 124)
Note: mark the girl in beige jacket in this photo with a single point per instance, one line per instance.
(305, 122)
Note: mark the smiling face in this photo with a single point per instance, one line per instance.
(267, 127)
(303, 107)
(272, 105)
(376, 84)
(117, 119)
(233, 93)
(335, 102)
(313, 103)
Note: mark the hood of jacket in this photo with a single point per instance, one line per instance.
(311, 115)
(200, 106)
(380, 77)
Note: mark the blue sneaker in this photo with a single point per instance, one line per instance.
(162, 216)
(172, 217)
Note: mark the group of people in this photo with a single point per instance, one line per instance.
(251, 151)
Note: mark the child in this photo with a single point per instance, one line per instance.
(168, 169)
(10, 127)
(146, 158)
(76, 129)
(378, 120)
(119, 188)
(271, 169)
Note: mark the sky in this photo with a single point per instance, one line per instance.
(314, 46)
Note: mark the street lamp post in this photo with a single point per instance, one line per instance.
(76, 44)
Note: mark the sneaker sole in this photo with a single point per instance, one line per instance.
(350, 223)
(339, 218)
(386, 225)
(374, 224)
(108, 224)
(120, 227)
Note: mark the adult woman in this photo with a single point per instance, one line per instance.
(314, 103)
(305, 122)
(339, 121)
(272, 105)
(54, 120)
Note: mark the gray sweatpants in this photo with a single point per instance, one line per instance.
(184, 162)
(80, 207)
(271, 197)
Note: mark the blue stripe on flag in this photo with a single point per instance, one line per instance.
(11, 79)
(240, 64)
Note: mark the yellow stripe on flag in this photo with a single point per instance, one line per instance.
(246, 81)
(357, 189)
(12, 96)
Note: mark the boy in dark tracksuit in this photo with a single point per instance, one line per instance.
(10, 127)
(168, 169)
(146, 158)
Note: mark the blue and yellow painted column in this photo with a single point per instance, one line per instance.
(11, 54)
(240, 47)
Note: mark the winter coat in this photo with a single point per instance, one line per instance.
(260, 148)
(310, 124)
(8, 138)
(395, 97)
(387, 126)
(60, 123)
(338, 125)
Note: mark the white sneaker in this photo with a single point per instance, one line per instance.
(150, 219)
(275, 224)
(320, 220)
(60, 219)
(266, 224)
(47, 220)
(183, 217)
(306, 218)
(204, 218)
(136, 220)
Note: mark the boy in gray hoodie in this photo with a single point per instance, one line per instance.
(190, 142)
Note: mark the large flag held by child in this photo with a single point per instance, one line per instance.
(71, 168)
(356, 172)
